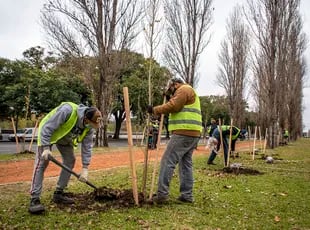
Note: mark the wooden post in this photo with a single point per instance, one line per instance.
(265, 142)
(221, 137)
(146, 156)
(16, 138)
(130, 143)
(249, 134)
(260, 138)
(229, 144)
(143, 135)
(254, 141)
(33, 134)
(157, 151)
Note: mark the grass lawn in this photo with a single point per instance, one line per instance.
(277, 198)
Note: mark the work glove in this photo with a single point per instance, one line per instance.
(45, 154)
(150, 109)
(84, 175)
(212, 144)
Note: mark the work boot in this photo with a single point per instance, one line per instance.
(185, 200)
(60, 198)
(35, 206)
(160, 199)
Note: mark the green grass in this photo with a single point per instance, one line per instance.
(279, 198)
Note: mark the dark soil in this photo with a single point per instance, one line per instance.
(241, 170)
(102, 199)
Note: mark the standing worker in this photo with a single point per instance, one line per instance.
(214, 142)
(66, 126)
(285, 136)
(185, 125)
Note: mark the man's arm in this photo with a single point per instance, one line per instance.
(175, 104)
(53, 123)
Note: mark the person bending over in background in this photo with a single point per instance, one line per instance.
(214, 142)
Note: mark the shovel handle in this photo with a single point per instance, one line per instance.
(53, 159)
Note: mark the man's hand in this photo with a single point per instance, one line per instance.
(84, 175)
(150, 109)
(45, 154)
(212, 143)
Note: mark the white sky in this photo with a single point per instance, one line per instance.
(20, 30)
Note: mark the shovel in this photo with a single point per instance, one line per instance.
(51, 158)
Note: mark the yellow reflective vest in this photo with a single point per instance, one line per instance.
(65, 128)
(189, 118)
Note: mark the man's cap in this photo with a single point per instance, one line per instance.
(173, 81)
(177, 80)
(94, 117)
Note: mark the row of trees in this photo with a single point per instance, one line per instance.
(274, 58)
(39, 82)
(94, 40)
(100, 28)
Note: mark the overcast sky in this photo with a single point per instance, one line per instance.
(20, 30)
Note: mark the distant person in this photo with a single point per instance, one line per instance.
(285, 136)
(243, 134)
(153, 137)
(214, 142)
(66, 126)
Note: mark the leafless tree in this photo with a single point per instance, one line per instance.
(187, 24)
(152, 36)
(233, 64)
(152, 28)
(96, 28)
(278, 64)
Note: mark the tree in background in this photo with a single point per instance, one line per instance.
(95, 28)
(135, 77)
(278, 65)
(233, 65)
(188, 22)
(35, 85)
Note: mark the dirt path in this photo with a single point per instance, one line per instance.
(19, 171)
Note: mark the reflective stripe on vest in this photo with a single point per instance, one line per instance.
(189, 118)
(65, 128)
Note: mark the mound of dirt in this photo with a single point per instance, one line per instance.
(241, 170)
(101, 200)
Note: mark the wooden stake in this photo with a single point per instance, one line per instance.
(249, 134)
(130, 143)
(16, 138)
(33, 134)
(221, 137)
(229, 146)
(157, 151)
(254, 142)
(265, 142)
(146, 156)
(260, 138)
(143, 135)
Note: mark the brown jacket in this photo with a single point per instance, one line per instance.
(184, 95)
